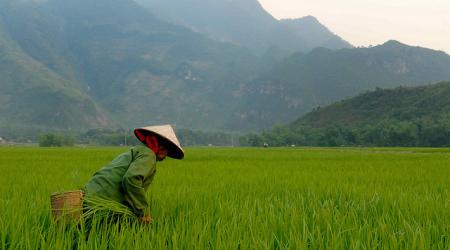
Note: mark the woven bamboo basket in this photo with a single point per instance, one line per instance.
(67, 206)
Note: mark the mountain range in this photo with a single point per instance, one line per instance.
(246, 23)
(80, 64)
(137, 68)
(305, 81)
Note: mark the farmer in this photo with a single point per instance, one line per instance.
(127, 178)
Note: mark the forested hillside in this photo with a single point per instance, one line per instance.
(404, 116)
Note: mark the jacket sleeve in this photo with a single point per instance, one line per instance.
(142, 167)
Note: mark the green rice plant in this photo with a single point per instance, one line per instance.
(96, 206)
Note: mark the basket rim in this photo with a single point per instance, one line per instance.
(79, 191)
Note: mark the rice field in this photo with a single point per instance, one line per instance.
(242, 198)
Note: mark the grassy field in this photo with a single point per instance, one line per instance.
(223, 198)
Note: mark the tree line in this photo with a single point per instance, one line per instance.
(386, 133)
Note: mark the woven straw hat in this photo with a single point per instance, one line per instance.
(166, 132)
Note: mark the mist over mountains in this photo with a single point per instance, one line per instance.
(221, 65)
(246, 23)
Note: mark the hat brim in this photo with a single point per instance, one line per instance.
(173, 150)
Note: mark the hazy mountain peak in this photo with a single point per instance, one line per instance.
(393, 43)
(306, 19)
(314, 33)
(246, 23)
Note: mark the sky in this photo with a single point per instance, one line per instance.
(424, 23)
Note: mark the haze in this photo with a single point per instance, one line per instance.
(372, 22)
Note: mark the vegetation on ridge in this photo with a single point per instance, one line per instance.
(418, 116)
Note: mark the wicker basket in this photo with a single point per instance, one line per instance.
(67, 206)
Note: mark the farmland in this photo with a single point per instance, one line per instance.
(242, 198)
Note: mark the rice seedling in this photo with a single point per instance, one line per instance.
(100, 207)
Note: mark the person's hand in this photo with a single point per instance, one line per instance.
(146, 219)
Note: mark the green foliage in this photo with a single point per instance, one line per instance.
(108, 137)
(121, 137)
(201, 138)
(267, 198)
(56, 140)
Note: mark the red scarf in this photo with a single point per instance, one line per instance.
(149, 140)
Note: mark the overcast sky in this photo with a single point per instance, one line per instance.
(423, 23)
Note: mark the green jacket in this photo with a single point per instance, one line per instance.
(126, 179)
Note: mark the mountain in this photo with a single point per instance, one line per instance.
(34, 95)
(305, 81)
(245, 22)
(430, 102)
(314, 34)
(402, 116)
(137, 68)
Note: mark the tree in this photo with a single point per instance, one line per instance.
(55, 140)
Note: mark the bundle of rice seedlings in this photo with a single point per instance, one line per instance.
(98, 207)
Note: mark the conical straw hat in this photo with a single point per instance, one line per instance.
(166, 132)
